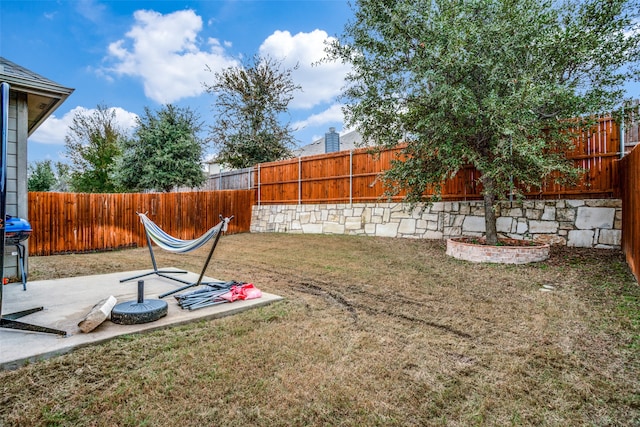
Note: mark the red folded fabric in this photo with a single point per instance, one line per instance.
(242, 292)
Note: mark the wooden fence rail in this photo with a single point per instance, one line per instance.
(72, 222)
(630, 195)
(352, 176)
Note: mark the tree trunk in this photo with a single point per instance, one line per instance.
(489, 211)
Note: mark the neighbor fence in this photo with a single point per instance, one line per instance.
(353, 176)
(630, 195)
(73, 222)
(239, 179)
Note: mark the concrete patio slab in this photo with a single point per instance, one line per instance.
(67, 301)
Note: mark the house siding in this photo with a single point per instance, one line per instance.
(16, 172)
(32, 98)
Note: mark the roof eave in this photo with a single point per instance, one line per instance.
(57, 93)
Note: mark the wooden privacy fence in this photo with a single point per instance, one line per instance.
(630, 195)
(72, 222)
(352, 176)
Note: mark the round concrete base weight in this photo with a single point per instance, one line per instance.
(134, 313)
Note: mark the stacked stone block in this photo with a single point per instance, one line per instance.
(578, 223)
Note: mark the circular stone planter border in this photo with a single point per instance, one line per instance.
(510, 252)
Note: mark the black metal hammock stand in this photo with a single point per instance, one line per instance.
(172, 244)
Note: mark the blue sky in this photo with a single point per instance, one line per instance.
(132, 54)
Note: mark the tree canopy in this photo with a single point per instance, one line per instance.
(92, 144)
(45, 176)
(492, 83)
(250, 102)
(165, 151)
(41, 176)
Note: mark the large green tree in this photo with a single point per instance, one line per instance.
(250, 103)
(165, 151)
(92, 145)
(492, 83)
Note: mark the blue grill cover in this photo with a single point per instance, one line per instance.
(16, 229)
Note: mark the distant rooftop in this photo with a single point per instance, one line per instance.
(348, 141)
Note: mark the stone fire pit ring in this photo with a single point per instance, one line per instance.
(509, 251)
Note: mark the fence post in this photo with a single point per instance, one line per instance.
(350, 178)
(622, 148)
(258, 184)
(300, 180)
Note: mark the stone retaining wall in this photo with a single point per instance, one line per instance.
(580, 223)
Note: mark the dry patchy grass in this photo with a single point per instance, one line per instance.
(371, 332)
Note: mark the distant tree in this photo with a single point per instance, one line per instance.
(41, 176)
(250, 100)
(62, 172)
(492, 83)
(92, 145)
(165, 151)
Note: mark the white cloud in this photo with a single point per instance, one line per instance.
(320, 83)
(332, 114)
(126, 119)
(165, 53)
(54, 129)
(91, 10)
